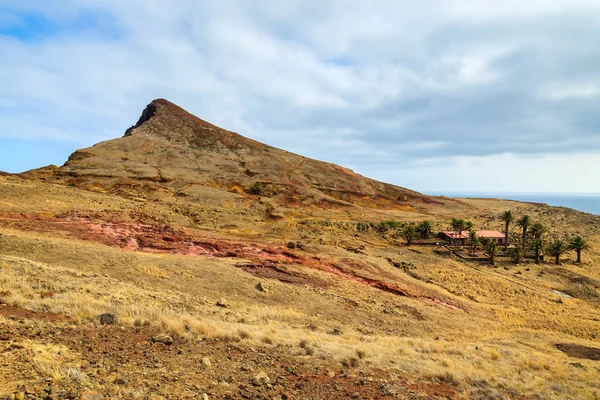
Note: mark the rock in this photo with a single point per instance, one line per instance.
(336, 331)
(204, 396)
(107, 319)
(20, 396)
(222, 303)
(205, 363)
(92, 396)
(120, 381)
(577, 365)
(261, 288)
(163, 338)
(261, 379)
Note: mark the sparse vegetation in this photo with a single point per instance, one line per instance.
(424, 229)
(409, 233)
(257, 188)
(492, 251)
(517, 253)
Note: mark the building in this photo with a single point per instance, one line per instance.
(495, 236)
(456, 239)
(463, 239)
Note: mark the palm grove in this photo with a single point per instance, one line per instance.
(534, 240)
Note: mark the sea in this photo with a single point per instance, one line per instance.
(585, 202)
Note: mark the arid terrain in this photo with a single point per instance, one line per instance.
(186, 261)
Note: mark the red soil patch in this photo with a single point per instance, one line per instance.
(159, 238)
(22, 313)
(271, 271)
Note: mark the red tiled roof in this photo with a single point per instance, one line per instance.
(490, 235)
(455, 235)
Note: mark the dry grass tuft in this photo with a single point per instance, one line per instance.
(152, 271)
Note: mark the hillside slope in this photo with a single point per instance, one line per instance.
(146, 268)
(171, 149)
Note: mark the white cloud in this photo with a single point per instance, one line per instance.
(389, 83)
(552, 173)
(568, 91)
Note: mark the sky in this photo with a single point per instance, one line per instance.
(433, 95)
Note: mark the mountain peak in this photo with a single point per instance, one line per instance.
(168, 113)
(171, 148)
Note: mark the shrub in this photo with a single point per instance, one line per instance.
(257, 188)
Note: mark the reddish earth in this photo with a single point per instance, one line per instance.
(575, 350)
(124, 360)
(271, 271)
(19, 313)
(127, 233)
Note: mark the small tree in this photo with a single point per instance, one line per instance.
(492, 250)
(507, 217)
(517, 253)
(578, 244)
(474, 241)
(537, 246)
(458, 226)
(257, 188)
(409, 233)
(424, 229)
(556, 249)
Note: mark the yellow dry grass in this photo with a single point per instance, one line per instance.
(505, 337)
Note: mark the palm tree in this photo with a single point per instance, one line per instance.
(538, 231)
(492, 251)
(523, 222)
(424, 229)
(507, 217)
(537, 245)
(458, 226)
(474, 241)
(578, 243)
(468, 225)
(517, 253)
(557, 248)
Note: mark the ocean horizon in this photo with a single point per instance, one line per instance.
(584, 202)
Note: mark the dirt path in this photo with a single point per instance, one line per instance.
(286, 173)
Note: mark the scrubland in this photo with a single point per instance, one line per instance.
(459, 329)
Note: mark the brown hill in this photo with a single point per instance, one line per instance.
(173, 150)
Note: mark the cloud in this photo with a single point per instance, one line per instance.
(380, 86)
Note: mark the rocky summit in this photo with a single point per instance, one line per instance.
(183, 260)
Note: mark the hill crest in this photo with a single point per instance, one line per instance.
(172, 150)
